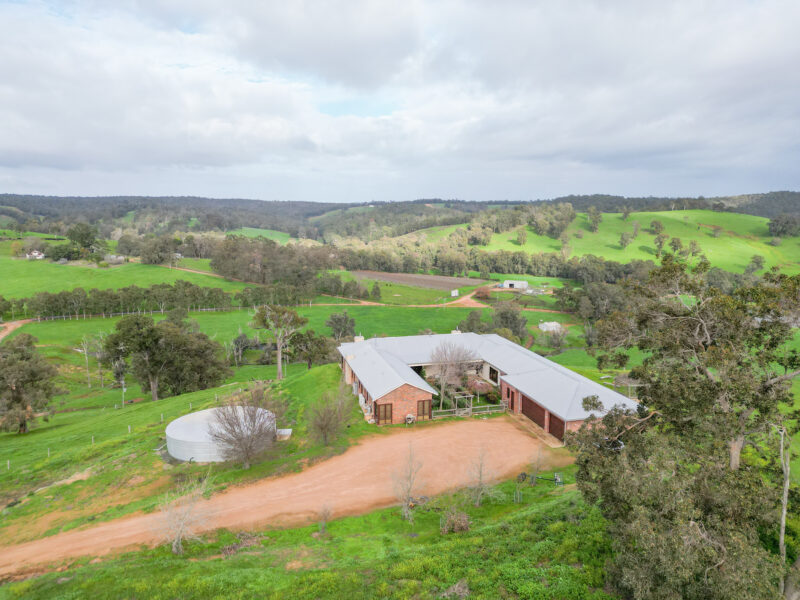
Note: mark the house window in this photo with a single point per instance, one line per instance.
(492, 374)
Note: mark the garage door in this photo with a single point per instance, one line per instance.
(533, 411)
(556, 427)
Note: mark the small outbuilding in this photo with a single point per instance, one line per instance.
(551, 326)
(515, 284)
(189, 437)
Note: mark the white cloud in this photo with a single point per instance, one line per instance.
(502, 100)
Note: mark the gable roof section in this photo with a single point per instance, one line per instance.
(382, 365)
(381, 373)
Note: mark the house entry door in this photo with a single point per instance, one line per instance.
(384, 413)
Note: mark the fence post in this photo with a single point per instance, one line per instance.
(162, 417)
(190, 406)
(8, 465)
(48, 453)
(129, 428)
(93, 437)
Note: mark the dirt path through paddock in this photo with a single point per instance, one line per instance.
(355, 482)
(7, 328)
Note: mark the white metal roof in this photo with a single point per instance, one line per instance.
(382, 365)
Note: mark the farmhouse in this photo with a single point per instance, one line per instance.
(515, 284)
(385, 374)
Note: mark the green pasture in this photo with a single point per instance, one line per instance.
(741, 238)
(196, 264)
(278, 236)
(20, 278)
(549, 545)
(401, 294)
(437, 233)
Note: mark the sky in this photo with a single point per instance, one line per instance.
(364, 101)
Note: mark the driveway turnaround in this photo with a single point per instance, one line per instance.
(357, 481)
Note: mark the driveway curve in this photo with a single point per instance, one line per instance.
(357, 481)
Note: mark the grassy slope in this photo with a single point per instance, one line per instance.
(743, 236)
(279, 236)
(548, 546)
(124, 466)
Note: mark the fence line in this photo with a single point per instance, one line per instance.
(468, 411)
(109, 315)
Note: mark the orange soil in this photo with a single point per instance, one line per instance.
(354, 482)
(7, 328)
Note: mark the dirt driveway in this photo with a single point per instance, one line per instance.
(354, 482)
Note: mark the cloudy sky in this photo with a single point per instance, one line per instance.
(361, 101)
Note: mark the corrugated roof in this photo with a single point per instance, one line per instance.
(382, 365)
(381, 373)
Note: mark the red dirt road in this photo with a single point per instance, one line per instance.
(7, 328)
(354, 482)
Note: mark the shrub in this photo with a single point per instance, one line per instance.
(454, 520)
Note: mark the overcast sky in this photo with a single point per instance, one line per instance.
(361, 101)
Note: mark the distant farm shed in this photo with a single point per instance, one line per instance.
(551, 326)
(515, 284)
(189, 437)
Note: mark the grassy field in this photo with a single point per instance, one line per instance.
(278, 236)
(548, 546)
(741, 238)
(20, 278)
(401, 294)
(196, 264)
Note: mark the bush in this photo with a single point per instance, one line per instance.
(102, 264)
(454, 520)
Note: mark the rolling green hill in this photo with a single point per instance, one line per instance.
(740, 238)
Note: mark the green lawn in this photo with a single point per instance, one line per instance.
(551, 545)
(742, 237)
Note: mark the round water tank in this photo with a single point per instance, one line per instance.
(189, 436)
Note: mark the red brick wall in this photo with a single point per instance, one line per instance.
(404, 401)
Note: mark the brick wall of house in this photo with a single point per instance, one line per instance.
(404, 401)
(573, 425)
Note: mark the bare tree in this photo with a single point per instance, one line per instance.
(482, 489)
(329, 416)
(181, 515)
(323, 516)
(405, 481)
(86, 345)
(452, 361)
(785, 457)
(281, 323)
(243, 428)
(98, 347)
